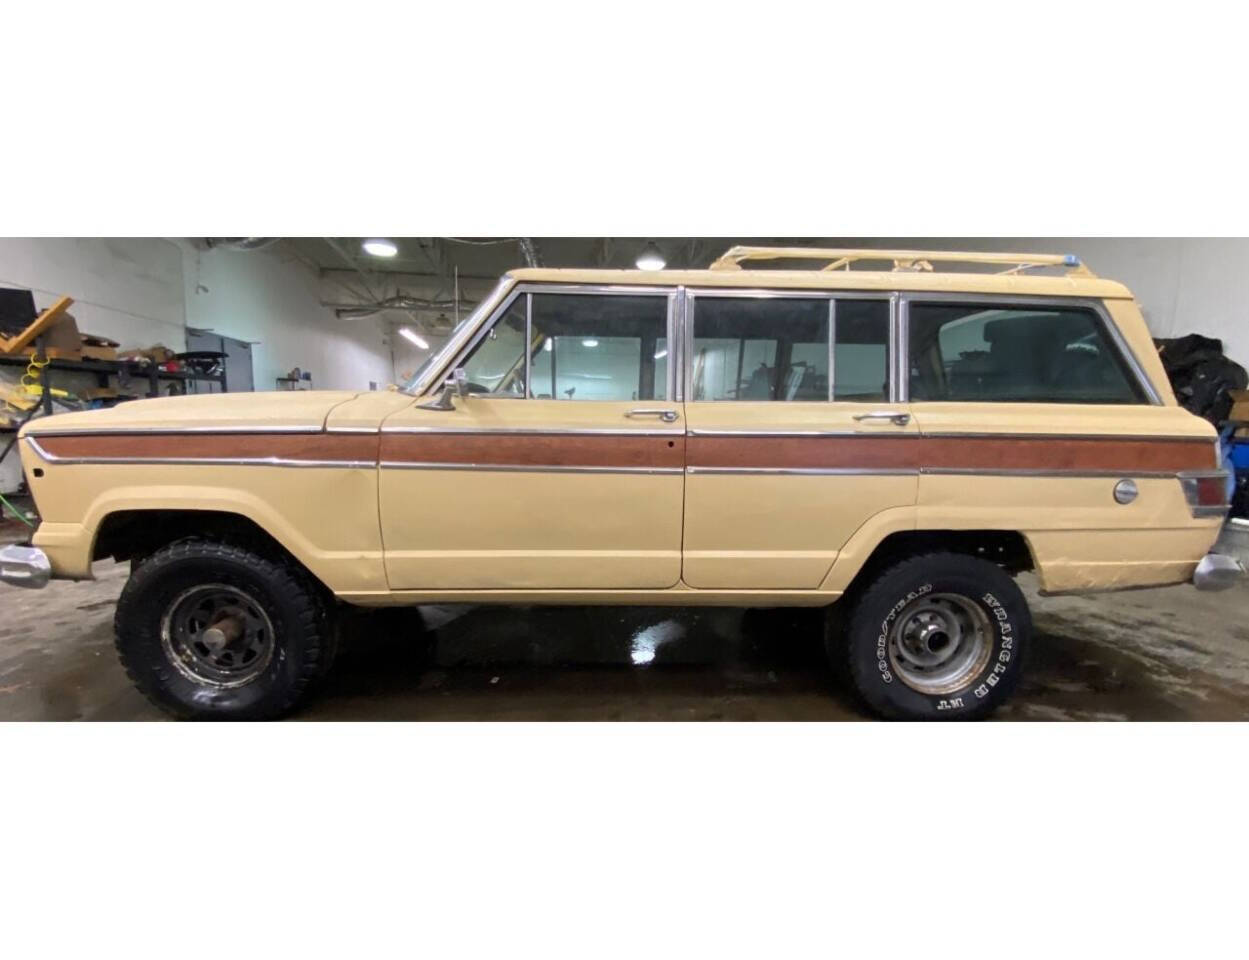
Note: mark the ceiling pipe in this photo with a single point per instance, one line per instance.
(241, 243)
(530, 250)
(395, 303)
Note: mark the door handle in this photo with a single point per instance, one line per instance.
(897, 419)
(667, 416)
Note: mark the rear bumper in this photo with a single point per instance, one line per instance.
(1218, 572)
(24, 566)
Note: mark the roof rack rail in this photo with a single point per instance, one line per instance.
(903, 260)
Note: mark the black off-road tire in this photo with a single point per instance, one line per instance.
(302, 636)
(866, 647)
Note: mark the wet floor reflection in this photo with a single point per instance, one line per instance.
(587, 663)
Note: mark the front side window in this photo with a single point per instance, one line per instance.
(497, 365)
(1015, 354)
(603, 347)
(599, 347)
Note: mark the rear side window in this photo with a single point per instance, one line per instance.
(748, 348)
(861, 351)
(1015, 354)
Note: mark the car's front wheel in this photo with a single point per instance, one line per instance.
(938, 636)
(213, 630)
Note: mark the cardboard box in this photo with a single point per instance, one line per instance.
(98, 348)
(1240, 405)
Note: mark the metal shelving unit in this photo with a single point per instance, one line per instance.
(102, 370)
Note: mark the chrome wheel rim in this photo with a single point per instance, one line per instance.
(217, 635)
(939, 643)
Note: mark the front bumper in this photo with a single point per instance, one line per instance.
(24, 566)
(1218, 572)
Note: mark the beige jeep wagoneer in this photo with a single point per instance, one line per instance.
(894, 445)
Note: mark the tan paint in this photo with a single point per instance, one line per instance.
(470, 529)
(327, 518)
(391, 535)
(781, 531)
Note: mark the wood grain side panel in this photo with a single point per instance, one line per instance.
(950, 453)
(214, 446)
(805, 453)
(1008, 453)
(651, 452)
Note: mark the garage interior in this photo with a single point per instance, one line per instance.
(168, 316)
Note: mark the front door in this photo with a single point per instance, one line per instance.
(564, 466)
(793, 441)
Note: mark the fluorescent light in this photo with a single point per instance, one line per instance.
(651, 258)
(379, 247)
(413, 337)
(589, 343)
(659, 355)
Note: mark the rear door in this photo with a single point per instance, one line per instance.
(796, 437)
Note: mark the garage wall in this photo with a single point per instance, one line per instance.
(1183, 285)
(270, 298)
(129, 290)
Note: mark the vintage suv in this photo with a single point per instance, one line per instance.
(893, 445)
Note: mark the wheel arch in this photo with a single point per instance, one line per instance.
(881, 546)
(135, 533)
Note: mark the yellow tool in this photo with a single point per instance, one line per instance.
(30, 380)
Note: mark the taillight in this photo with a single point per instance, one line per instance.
(1206, 492)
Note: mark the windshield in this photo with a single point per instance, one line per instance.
(417, 382)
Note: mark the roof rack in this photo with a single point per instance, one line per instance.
(903, 260)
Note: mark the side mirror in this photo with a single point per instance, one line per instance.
(454, 386)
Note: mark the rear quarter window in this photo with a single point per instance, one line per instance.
(1015, 354)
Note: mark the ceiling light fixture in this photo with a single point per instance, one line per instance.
(379, 247)
(660, 354)
(651, 258)
(589, 343)
(413, 337)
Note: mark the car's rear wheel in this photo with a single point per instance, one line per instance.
(213, 630)
(938, 636)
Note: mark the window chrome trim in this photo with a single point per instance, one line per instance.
(677, 346)
(1097, 307)
(520, 467)
(438, 367)
(499, 311)
(772, 293)
(832, 356)
(899, 341)
(528, 346)
(669, 379)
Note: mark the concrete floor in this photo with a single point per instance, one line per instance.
(1172, 654)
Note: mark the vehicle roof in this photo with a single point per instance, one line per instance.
(1016, 284)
